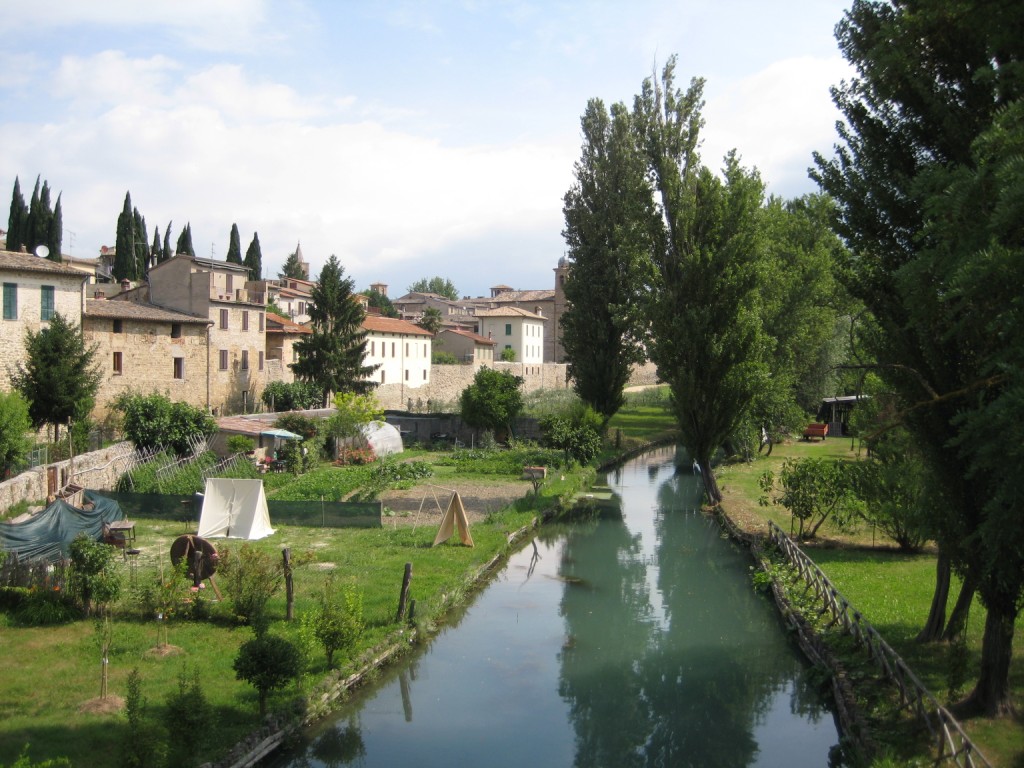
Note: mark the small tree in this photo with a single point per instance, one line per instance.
(59, 377)
(337, 620)
(92, 579)
(189, 719)
(813, 490)
(439, 285)
(508, 355)
(353, 412)
(267, 662)
(251, 578)
(293, 268)
(578, 433)
(292, 395)
(15, 424)
(493, 400)
(142, 748)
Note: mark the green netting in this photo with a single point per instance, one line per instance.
(316, 514)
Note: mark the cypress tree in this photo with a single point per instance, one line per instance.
(125, 267)
(141, 244)
(166, 253)
(185, 241)
(17, 220)
(235, 246)
(154, 250)
(254, 258)
(55, 232)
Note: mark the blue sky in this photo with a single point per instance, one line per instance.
(410, 139)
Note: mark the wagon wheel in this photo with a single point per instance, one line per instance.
(199, 555)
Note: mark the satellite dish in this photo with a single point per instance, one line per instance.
(42, 251)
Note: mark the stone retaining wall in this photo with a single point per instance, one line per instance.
(98, 470)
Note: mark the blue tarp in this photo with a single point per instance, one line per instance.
(48, 534)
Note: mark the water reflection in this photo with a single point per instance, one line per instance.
(631, 638)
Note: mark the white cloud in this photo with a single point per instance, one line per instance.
(111, 78)
(775, 118)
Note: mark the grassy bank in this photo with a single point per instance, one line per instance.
(893, 592)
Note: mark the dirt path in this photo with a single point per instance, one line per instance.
(426, 503)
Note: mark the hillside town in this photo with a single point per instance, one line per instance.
(199, 331)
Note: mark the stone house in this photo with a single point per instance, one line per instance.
(34, 289)
(469, 347)
(216, 291)
(412, 305)
(516, 329)
(144, 348)
(401, 349)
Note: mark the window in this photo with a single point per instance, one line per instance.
(175, 330)
(223, 359)
(424, 374)
(424, 350)
(119, 326)
(10, 301)
(261, 361)
(407, 351)
(224, 319)
(508, 329)
(245, 319)
(231, 283)
(261, 322)
(373, 348)
(245, 359)
(46, 303)
(179, 367)
(392, 349)
(302, 307)
(117, 364)
(382, 376)
(406, 374)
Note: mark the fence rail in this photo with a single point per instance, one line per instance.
(952, 744)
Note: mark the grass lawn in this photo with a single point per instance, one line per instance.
(893, 592)
(52, 673)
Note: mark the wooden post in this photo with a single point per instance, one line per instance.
(289, 585)
(406, 579)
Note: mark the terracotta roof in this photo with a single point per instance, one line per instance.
(139, 311)
(242, 425)
(287, 326)
(379, 324)
(508, 312)
(30, 263)
(538, 295)
(476, 337)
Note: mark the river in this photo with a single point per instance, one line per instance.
(630, 638)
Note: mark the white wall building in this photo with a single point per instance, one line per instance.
(516, 329)
(401, 349)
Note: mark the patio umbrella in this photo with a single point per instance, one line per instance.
(283, 434)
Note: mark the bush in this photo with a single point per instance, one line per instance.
(240, 444)
(267, 662)
(292, 396)
(493, 400)
(151, 421)
(189, 719)
(251, 578)
(92, 577)
(45, 607)
(337, 620)
(443, 358)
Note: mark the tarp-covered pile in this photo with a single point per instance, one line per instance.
(48, 535)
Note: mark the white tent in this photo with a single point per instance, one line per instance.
(236, 509)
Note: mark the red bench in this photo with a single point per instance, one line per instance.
(816, 430)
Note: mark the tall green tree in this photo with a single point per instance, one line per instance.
(439, 285)
(293, 267)
(332, 355)
(55, 232)
(125, 265)
(254, 258)
(16, 220)
(166, 252)
(59, 377)
(155, 250)
(141, 241)
(608, 220)
(234, 246)
(185, 241)
(921, 220)
(706, 332)
(15, 441)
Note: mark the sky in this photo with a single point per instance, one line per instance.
(409, 139)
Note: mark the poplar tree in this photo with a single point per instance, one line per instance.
(608, 219)
(332, 355)
(234, 246)
(254, 258)
(706, 333)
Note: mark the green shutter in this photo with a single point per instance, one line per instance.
(10, 301)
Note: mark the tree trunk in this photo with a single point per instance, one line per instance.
(991, 695)
(711, 491)
(962, 609)
(932, 630)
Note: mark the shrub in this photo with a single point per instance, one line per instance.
(153, 420)
(251, 578)
(45, 607)
(189, 720)
(92, 577)
(267, 662)
(443, 358)
(240, 444)
(337, 620)
(292, 396)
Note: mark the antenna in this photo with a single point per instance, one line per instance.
(42, 251)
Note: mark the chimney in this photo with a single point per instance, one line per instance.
(126, 285)
(538, 311)
(99, 295)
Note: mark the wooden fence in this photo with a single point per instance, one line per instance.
(953, 745)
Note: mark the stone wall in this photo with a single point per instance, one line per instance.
(98, 470)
